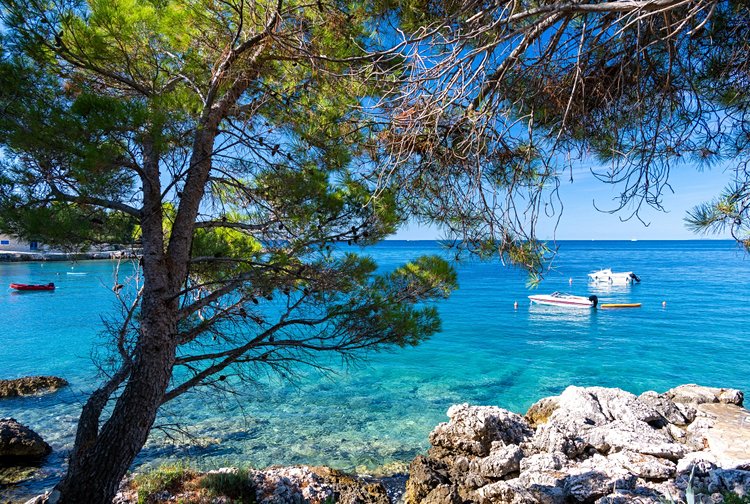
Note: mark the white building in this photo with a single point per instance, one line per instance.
(10, 243)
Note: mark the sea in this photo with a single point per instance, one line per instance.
(374, 415)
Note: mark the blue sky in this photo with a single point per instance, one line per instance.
(581, 221)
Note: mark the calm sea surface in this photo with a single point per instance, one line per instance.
(377, 414)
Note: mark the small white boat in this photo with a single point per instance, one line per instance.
(562, 299)
(610, 277)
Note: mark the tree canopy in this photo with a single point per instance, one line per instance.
(508, 97)
(228, 139)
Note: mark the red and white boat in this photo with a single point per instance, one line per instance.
(567, 300)
(32, 287)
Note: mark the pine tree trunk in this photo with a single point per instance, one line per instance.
(101, 456)
(99, 461)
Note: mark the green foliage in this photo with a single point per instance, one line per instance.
(168, 477)
(236, 485)
(729, 211)
(65, 225)
(223, 242)
(427, 274)
(733, 498)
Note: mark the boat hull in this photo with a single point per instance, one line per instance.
(31, 287)
(563, 300)
(607, 276)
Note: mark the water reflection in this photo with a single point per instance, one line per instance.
(543, 313)
(602, 288)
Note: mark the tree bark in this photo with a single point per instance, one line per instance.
(99, 460)
(98, 466)
(101, 456)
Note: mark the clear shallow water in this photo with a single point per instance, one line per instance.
(380, 412)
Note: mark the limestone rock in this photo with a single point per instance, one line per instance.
(645, 466)
(558, 438)
(281, 485)
(591, 445)
(732, 480)
(499, 463)
(725, 431)
(633, 436)
(350, 489)
(597, 476)
(514, 492)
(603, 405)
(620, 497)
(697, 394)
(606, 420)
(274, 485)
(677, 414)
(537, 474)
(424, 476)
(540, 411)
(30, 385)
(19, 442)
(554, 461)
(591, 485)
(703, 461)
(277, 485)
(472, 430)
(443, 494)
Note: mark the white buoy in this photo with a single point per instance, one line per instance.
(570, 281)
(515, 305)
(663, 304)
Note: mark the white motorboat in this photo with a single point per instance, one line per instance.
(567, 300)
(610, 277)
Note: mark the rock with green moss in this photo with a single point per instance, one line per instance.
(12, 475)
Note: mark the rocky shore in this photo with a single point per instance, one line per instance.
(591, 445)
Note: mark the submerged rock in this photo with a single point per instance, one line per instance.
(589, 444)
(12, 475)
(30, 385)
(18, 443)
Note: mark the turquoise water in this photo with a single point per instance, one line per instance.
(379, 412)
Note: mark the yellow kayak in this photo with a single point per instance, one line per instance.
(620, 305)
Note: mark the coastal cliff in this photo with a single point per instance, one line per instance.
(590, 445)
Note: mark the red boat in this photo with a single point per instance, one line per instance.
(29, 287)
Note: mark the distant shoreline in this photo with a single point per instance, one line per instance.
(18, 256)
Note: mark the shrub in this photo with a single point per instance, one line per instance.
(169, 477)
(732, 498)
(236, 485)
